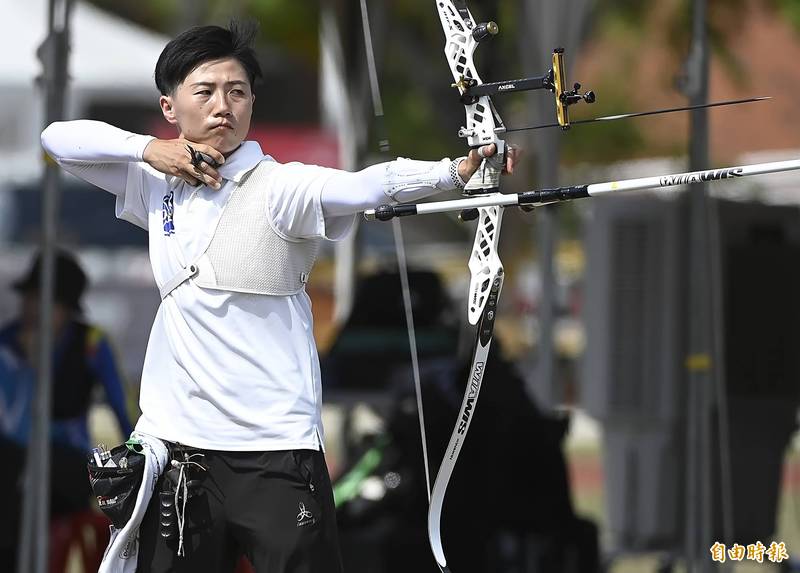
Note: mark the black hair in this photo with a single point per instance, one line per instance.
(202, 44)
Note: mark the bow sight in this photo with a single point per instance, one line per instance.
(483, 124)
(554, 81)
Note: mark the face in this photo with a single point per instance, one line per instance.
(30, 312)
(213, 105)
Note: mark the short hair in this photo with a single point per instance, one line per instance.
(202, 44)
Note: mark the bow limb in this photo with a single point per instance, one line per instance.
(486, 284)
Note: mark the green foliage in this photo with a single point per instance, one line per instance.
(724, 17)
(154, 14)
(422, 115)
(790, 9)
(629, 11)
(621, 17)
(290, 26)
(604, 141)
(409, 117)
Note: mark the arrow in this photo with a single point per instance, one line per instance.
(643, 113)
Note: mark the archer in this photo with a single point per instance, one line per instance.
(231, 380)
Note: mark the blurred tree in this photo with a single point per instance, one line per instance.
(622, 30)
(289, 25)
(287, 45)
(414, 77)
(790, 9)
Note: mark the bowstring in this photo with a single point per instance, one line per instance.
(399, 243)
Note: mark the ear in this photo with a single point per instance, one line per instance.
(167, 109)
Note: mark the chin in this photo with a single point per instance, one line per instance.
(224, 144)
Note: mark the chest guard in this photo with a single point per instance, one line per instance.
(245, 253)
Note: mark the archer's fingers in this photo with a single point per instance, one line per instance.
(205, 174)
(191, 174)
(189, 179)
(485, 151)
(513, 154)
(478, 154)
(215, 155)
(211, 176)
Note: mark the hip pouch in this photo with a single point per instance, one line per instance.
(116, 485)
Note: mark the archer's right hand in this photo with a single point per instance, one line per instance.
(173, 157)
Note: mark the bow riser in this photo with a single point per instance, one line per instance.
(484, 262)
(459, 50)
(482, 120)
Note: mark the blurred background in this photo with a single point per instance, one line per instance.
(641, 400)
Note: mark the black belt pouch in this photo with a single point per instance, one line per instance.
(116, 488)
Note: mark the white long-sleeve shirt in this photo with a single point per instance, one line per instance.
(225, 370)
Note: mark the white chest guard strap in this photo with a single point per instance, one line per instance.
(245, 253)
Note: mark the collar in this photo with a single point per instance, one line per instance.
(242, 161)
(237, 164)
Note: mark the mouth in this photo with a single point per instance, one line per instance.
(222, 126)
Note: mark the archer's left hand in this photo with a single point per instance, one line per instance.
(473, 161)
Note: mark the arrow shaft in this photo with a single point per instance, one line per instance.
(644, 113)
(542, 197)
(671, 180)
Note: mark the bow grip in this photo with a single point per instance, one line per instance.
(487, 178)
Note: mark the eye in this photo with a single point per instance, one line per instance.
(237, 91)
(203, 92)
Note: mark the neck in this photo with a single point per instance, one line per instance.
(232, 151)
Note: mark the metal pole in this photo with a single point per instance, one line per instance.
(721, 394)
(36, 513)
(340, 117)
(548, 153)
(550, 20)
(700, 364)
(715, 393)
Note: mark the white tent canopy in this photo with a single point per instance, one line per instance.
(110, 60)
(108, 53)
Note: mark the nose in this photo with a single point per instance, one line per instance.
(223, 106)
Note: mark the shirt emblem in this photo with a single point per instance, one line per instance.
(168, 213)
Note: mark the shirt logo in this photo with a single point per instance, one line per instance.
(168, 213)
(305, 517)
(130, 549)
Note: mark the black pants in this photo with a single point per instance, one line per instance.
(276, 508)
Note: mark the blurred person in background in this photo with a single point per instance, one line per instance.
(524, 514)
(82, 362)
(231, 378)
